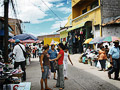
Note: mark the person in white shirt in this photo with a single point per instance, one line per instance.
(65, 63)
(19, 57)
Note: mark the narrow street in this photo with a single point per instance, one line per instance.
(81, 77)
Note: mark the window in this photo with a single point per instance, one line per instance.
(94, 4)
(84, 11)
(97, 27)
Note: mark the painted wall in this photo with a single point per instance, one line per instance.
(63, 34)
(94, 16)
(49, 40)
(69, 23)
(74, 2)
(77, 9)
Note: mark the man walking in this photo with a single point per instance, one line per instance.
(114, 59)
(19, 57)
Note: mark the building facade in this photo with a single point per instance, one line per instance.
(13, 30)
(41, 38)
(87, 19)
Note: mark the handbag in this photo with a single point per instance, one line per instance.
(24, 53)
(55, 65)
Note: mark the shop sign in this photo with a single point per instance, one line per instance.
(81, 18)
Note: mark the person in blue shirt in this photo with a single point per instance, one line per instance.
(40, 51)
(114, 60)
(53, 54)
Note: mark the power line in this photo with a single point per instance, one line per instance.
(52, 11)
(16, 15)
(38, 7)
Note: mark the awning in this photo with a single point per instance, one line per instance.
(77, 26)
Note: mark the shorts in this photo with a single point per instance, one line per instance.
(45, 73)
(39, 54)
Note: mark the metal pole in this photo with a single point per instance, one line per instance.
(6, 5)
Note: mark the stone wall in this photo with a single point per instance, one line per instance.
(110, 9)
(111, 31)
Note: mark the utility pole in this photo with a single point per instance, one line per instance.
(6, 6)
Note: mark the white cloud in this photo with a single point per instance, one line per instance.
(57, 24)
(59, 5)
(65, 10)
(43, 33)
(30, 10)
(45, 20)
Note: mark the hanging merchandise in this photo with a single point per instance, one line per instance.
(81, 31)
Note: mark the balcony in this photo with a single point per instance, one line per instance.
(83, 6)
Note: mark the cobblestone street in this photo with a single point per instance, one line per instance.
(81, 77)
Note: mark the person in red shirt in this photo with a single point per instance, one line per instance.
(60, 57)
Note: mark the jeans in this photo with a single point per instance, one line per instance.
(115, 68)
(22, 64)
(102, 62)
(60, 78)
(45, 73)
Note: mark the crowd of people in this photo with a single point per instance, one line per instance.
(54, 60)
(105, 58)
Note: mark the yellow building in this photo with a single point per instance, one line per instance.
(86, 16)
(63, 31)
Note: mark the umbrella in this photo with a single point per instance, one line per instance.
(11, 40)
(29, 41)
(111, 39)
(24, 37)
(38, 41)
(88, 41)
(97, 40)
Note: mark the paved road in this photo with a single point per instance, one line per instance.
(81, 77)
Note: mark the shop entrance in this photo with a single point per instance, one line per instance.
(88, 32)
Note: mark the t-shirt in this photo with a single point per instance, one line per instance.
(53, 54)
(60, 61)
(19, 56)
(46, 61)
(115, 52)
(39, 50)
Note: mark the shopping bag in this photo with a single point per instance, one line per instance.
(98, 64)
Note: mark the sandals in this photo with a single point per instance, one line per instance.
(54, 78)
(48, 89)
(60, 88)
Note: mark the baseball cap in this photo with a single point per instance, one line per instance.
(17, 41)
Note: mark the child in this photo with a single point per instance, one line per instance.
(65, 63)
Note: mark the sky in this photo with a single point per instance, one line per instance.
(39, 14)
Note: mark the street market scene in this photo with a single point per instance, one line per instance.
(59, 44)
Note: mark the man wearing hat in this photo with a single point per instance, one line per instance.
(19, 57)
(114, 59)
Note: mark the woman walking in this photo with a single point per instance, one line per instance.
(102, 58)
(53, 54)
(65, 63)
(45, 67)
(60, 57)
